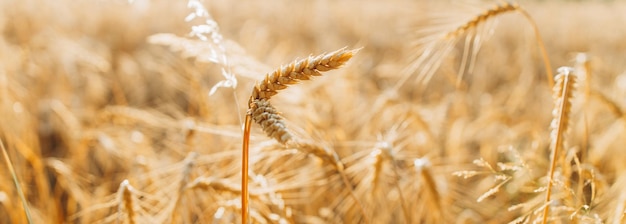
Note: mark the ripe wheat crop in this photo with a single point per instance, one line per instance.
(191, 111)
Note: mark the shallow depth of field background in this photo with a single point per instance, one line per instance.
(105, 125)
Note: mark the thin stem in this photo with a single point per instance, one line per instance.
(542, 47)
(244, 169)
(17, 184)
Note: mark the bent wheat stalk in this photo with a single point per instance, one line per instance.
(264, 114)
(563, 93)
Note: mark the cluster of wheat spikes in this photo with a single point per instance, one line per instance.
(119, 114)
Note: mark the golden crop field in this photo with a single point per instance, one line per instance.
(349, 111)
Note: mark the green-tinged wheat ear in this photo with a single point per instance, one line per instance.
(563, 94)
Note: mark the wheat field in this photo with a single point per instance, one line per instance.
(400, 111)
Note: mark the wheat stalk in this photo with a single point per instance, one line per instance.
(18, 187)
(563, 94)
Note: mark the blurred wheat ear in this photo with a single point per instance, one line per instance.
(126, 201)
(438, 42)
(563, 94)
(267, 116)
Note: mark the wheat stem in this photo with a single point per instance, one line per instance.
(244, 169)
(18, 187)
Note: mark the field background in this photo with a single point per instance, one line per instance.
(106, 123)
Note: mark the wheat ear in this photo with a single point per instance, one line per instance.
(382, 153)
(563, 94)
(437, 47)
(423, 166)
(260, 108)
(263, 113)
(481, 18)
(126, 201)
(189, 165)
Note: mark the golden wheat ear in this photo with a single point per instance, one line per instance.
(267, 116)
(436, 43)
(563, 94)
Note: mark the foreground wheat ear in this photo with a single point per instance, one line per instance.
(264, 113)
(563, 94)
(267, 116)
